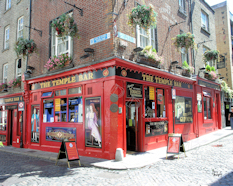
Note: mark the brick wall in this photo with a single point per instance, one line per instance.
(10, 17)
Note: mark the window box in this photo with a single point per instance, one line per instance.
(148, 61)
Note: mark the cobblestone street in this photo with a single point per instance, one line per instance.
(207, 165)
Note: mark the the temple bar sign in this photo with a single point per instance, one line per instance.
(13, 99)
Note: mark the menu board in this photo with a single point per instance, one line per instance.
(72, 151)
(173, 145)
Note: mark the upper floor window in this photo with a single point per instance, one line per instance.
(7, 37)
(204, 21)
(61, 45)
(18, 68)
(182, 5)
(8, 4)
(144, 39)
(20, 28)
(5, 69)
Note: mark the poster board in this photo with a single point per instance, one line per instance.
(69, 151)
(175, 144)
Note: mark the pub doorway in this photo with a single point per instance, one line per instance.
(10, 124)
(132, 125)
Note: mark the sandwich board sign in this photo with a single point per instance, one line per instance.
(69, 151)
(175, 144)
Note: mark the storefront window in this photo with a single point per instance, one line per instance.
(48, 115)
(154, 105)
(75, 109)
(183, 110)
(75, 90)
(160, 103)
(63, 109)
(35, 124)
(207, 108)
(93, 122)
(3, 120)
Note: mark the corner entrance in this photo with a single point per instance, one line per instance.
(132, 123)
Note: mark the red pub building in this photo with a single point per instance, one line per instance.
(106, 102)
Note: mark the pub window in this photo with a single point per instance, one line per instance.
(47, 95)
(3, 119)
(35, 124)
(154, 103)
(75, 90)
(48, 115)
(183, 110)
(63, 109)
(207, 108)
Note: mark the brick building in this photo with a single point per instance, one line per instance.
(223, 27)
(14, 16)
(107, 97)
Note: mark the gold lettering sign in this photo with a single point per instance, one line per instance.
(13, 99)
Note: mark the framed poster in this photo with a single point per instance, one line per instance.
(160, 96)
(93, 128)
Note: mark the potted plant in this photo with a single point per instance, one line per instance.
(65, 26)
(210, 73)
(211, 55)
(185, 40)
(15, 82)
(25, 46)
(144, 16)
(187, 69)
(57, 62)
(3, 86)
(150, 57)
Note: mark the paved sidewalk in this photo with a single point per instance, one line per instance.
(131, 161)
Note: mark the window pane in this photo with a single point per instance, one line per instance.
(61, 110)
(183, 110)
(161, 110)
(3, 120)
(35, 121)
(47, 94)
(75, 109)
(149, 103)
(60, 92)
(209, 108)
(48, 115)
(205, 108)
(77, 90)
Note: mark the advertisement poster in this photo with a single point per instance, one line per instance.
(183, 110)
(93, 122)
(151, 93)
(173, 145)
(156, 128)
(57, 105)
(160, 96)
(35, 121)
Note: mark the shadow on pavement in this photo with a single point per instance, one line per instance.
(225, 180)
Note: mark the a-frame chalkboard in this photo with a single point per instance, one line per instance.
(69, 151)
(175, 144)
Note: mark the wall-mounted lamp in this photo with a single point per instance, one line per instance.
(138, 49)
(88, 52)
(200, 70)
(5, 88)
(221, 77)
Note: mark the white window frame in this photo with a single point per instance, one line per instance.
(182, 5)
(7, 37)
(183, 55)
(150, 37)
(204, 20)
(18, 72)
(5, 70)
(55, 43)
(8, 4)
(20, 28)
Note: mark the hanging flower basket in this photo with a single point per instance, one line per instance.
(25, 47)
(150, 57)
(185, 40)
(211, 55)
(65, 26)
(144, 16)
(58, 62)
